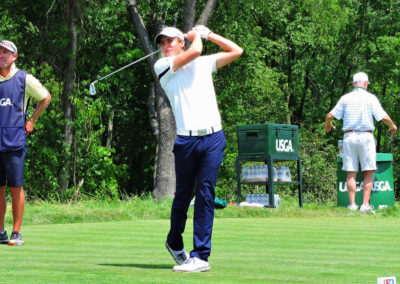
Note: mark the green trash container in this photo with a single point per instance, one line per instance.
(382, 194)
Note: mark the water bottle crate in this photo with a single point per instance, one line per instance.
(262, 199)
(259, 173)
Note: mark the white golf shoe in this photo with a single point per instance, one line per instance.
(179, 256)
(193, 264)
(367, 209)
(352, 207)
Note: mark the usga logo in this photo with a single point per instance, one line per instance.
(283, 145)
(378, 186)
(5, 102)
(387, 280)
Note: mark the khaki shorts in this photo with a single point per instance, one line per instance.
(359, 148)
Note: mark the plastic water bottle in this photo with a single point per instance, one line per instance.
(259, 174)
(254, 173)
(279, 175)
(251, 198)
(286, 173)
(274, 174)
(244, 174)
(265, 172)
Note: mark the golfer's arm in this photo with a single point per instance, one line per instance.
(231, 50)
(41, 106)
(194, 51)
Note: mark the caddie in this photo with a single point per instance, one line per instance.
(16, 87)
(358, 110)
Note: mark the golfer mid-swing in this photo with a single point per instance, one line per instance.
(186, 78)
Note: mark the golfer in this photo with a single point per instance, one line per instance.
(16, 87)
(358, 110)
(186, 78)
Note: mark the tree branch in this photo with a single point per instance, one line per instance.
(189, 10)
(141, 32)
(207, 13)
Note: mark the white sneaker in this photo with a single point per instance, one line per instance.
(179, 256)
(367, 209)
(193, 264)
(352, 207)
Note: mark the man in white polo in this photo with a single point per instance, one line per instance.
(358, 110)
(186, 78)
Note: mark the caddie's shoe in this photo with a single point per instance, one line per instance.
(193, 264)
(352, 207)
(367, 209)
(3, 238)
(15, 239)
(180, 256)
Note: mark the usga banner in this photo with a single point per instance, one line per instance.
(382, 194)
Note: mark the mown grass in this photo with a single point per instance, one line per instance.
(123, 242)
(245, 250)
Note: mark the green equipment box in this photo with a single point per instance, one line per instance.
(382, 194)
(261, 140)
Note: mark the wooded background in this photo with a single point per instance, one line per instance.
(299, 58)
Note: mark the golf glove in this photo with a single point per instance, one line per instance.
(203, 30)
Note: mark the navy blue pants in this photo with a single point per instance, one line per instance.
(197, 161)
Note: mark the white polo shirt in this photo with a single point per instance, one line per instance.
(191, 93)
(358, 110)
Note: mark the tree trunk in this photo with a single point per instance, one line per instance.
(110, 127)
(64, 173)
(164, 184)
(189, 10)
(207, 12)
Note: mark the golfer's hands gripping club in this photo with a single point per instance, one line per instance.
(191, 35)
(203, 30)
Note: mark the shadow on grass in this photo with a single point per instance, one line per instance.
(139, 265)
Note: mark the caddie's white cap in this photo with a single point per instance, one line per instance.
(360, 77)
(8, 45)
(169, 32)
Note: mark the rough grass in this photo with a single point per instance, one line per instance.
(90, 211)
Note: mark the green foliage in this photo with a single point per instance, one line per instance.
(298, 60)
(319, 165)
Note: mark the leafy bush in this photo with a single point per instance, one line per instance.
(318, 159)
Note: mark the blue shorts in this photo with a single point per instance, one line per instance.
(12, 166)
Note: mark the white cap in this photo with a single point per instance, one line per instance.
(9, 45)
(360, 77)
(169, 32)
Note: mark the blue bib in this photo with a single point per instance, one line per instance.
(12, 113)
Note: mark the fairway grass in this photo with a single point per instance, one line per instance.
(245, 250)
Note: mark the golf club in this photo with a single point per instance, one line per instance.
(92, 89)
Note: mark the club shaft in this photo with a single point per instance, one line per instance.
(126, 66)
